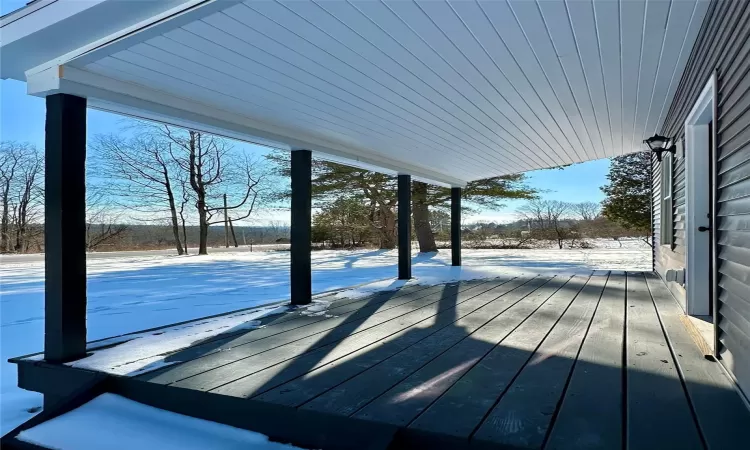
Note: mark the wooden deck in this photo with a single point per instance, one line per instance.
(590, 361)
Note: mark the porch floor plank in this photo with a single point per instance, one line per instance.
(355, 393)
(407, 400)
(285, 328)
(235, 378)
(594, 360)
(525, 411)
(476, 393)
(658, 412)
(591, 414)
(430, 340)
(722, 416)
(309, 337)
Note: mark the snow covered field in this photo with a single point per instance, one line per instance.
(128, 293)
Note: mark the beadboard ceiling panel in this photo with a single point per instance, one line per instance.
(459, 89)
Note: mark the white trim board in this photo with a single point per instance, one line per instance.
(697, 198)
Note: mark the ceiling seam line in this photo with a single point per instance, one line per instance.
(386, 120)
(662, 119)
(567, 82)
(546, 76)
(640, 67)
(586, 81)
(433, 72)
(292, 100)
(480, 110)
(489, 57)
(604, 78)
(487, 81)
(489, 147)
(410, 116)
(523, 73)
(645, 131)
(192, 100)
(315, 118)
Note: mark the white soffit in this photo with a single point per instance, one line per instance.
(450, 90)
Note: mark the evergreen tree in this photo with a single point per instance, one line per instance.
(628, 201)
(332, 181)
(487, 193)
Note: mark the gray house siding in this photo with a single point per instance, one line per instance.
(670, 256)
(722, 46)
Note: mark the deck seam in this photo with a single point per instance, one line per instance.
(685, 390)
(443, 352)
(346, 337)
(558, 406)
(228, 337)
(322, 331)
(623, 374)
(492, 348)
(531, 354)
(431, 334)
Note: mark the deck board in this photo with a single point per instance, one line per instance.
(202, 356)
(359, 391)
(245, 377)
(315, 335)
(437, 336)
(476, 392)
(657, 406)
(404, 402)
(721, 415)
(592, 361)
(591, 415)
(523, 414)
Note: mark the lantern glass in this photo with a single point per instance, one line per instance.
(657, 142)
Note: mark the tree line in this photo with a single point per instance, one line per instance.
(162, 175)
(147, 173)
(358, 207)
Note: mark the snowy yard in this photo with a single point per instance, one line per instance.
(135, 292)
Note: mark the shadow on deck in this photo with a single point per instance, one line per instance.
(590, 361)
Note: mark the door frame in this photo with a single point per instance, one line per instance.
(698, 188)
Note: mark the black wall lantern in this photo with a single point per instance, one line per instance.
(660, 144)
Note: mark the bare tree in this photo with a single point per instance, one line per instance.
(215, 170)
(30, 192)
(548, 217)
(9, 158)
(21, 192)
(186, 198)
(586, 211)
(143, 169)
(103, 223)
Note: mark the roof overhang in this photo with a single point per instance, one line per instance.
(448, 92)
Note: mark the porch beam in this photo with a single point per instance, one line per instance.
(404, 227)
(456, 226)
(301, 266)
(65, 229)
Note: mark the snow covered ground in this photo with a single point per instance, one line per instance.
(128, 293)
(92, 426)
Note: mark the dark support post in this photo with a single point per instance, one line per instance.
(65, 229)
(456, 226)
(404, 227)
(301, 270)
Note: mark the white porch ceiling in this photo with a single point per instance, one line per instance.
(448, 90)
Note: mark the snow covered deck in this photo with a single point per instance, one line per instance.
(597, 360)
